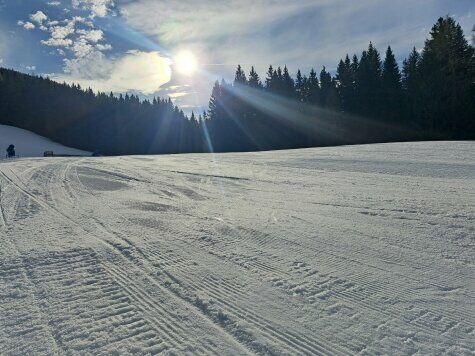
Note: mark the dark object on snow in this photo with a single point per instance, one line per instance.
(52, 154)
(11, 151)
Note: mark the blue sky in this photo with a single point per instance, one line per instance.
(131, 45)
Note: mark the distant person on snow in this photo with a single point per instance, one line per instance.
(11, 151)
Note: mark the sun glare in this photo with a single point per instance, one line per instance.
(186, 63)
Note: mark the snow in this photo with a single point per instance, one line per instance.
(359, 249)
(29, 144)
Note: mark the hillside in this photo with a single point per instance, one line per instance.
(80, 118)
(357, 249)
(28, 144)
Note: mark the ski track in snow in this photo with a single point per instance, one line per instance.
(332, 251)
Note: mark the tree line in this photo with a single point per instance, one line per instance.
(96, 122)
(368, 99)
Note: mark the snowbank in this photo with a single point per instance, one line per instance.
(29, 144)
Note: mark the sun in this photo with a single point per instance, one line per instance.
(186, 62)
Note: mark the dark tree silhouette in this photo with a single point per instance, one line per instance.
(367, 100)
(345, 77)
(391, 89)
(447, 69)
(82, 119)
(411, 83)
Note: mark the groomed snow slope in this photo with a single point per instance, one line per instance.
(364, 249)
(29, 144)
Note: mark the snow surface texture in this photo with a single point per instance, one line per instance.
(364, 249)
(28, 144)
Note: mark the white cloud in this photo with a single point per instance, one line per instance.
(26, 25)
(81, 44)
(139, 71)
(94, 66)
(177, 95)
(38, 17)
(54, 3)
(98, 8)
(31, 68)
(93, 36)
(81, 48)
(57, 42)
(104, 47)
(82, 20)
(61, 32)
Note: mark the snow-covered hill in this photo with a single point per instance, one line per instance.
(349, 250)
(29, 144)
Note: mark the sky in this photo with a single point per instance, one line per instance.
(134, 45)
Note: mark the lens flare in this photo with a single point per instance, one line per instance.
(186, 63)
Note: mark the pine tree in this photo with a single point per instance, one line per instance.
(288, 85)
(391, 89)
(279, 75)
(270, 78)
(411, 81)
(305, 95)
(254, 80)
(325, 87)
(240, 77)
(215, 110)
(368, 82)
(328, 92)
(345, 79)
(313, 88)
(250, 114)
(448, 80)
(277, 81)
(299, 87)
(354, 75)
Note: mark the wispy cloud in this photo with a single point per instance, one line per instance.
(297, 33)
(177, 94)
(188, 20)
(138, 71)
(300, 34)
